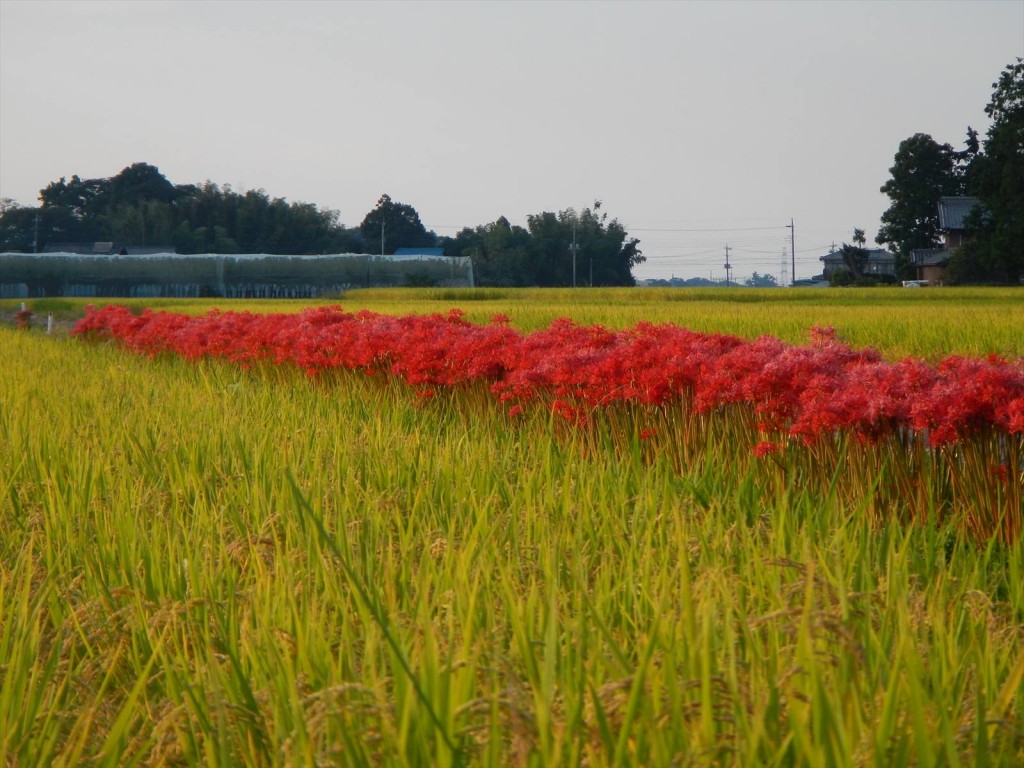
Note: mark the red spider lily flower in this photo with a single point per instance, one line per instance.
(805, 392)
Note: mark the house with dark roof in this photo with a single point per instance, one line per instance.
(880, 264)
(931, 263)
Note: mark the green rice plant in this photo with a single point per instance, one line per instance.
(930, 324)
(208, 566)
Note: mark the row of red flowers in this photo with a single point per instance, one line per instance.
(803, 391)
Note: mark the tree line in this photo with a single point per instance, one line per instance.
(140, 207)
(991, 169)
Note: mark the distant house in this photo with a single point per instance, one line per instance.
(931, 263)
(107, 248)
(880, 263)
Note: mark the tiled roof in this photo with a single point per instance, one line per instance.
(953, 211)
(929, 257)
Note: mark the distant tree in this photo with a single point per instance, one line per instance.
(501, 253)
(76, 196)
(18, 227)
(855, 257)
(139, 206)
(840, 278)
(215, 219)
(995, 252)
(147, 223)
(137, 184)
(186, 240)
(70, 209)
(761, 281)
(397, 224)
(15, 226)
(504, 254)
(923, 171)
(605, 250)
(550, 238)
(964, 159)
(855, 260)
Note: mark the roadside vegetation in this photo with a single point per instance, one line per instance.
(206, 563)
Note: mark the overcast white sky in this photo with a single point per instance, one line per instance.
(679, 116)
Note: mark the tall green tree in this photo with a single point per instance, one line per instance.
(17, 226)
(761, 281)
(855, 256)
(922, 172)
(605, 255)
(139, 206)
(71, 209)
(502, 253)
(395, 225)
(148, 223)
(996, 249)
(137, 184)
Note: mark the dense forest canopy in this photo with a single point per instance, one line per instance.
(140, 207)
(565, 248)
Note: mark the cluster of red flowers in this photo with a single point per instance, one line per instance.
(800, 391)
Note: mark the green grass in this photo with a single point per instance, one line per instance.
(926, 323)
(201, 566)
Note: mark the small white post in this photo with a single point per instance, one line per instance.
(49, 322)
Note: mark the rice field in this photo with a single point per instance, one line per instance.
(208, 565)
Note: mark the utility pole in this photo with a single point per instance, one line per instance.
(728, 266)
(792, 247)
(574, 247)
(784, 269)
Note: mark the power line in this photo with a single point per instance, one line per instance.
(725, 229)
